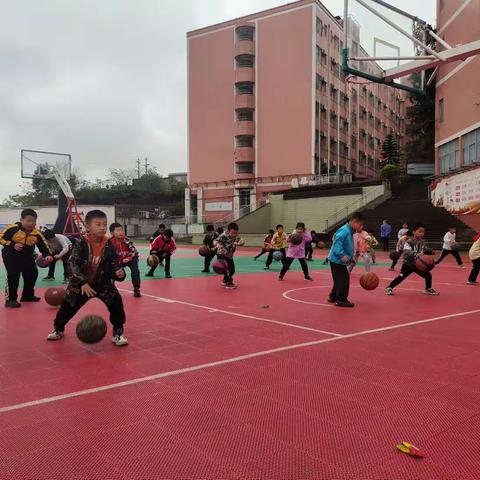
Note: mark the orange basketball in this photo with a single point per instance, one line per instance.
(425, 263)
(321, 245)
(54, 296)
(369, 281)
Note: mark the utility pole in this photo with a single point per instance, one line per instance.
(138, 167)
(146, 166)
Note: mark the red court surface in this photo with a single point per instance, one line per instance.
(264, 382)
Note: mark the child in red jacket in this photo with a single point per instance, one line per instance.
(163, 247)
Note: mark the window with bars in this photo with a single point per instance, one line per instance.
(245, 33)
(244, 141)
(244, 88)
(244, 197)
(245, 61)
(471, 147)
(245, 167)
(319, 27)
(244, 115)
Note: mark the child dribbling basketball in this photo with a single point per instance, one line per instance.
(412, 249)
(297, 252)
(226, 246)
(163, 247)
(94, 266)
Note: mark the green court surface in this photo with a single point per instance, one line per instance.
(186, 263)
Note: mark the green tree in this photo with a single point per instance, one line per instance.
(391, 173)
(390, 151)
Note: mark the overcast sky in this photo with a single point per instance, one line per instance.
(105, 80)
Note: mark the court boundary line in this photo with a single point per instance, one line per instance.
(235, 314)
(134, 381)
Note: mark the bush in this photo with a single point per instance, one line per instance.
(391, 173)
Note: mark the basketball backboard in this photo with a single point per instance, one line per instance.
(427, 49)
(39, 164)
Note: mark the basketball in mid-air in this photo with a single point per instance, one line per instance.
(55, 296)
(369, 281)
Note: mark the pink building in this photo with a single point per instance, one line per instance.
(457, 126)
(269, 108)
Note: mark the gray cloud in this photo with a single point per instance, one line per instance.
(106, 80)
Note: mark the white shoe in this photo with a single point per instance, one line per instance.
(55, 335)
(460, 266)
(431, 291)
(472, 283)
(120, 340)
(388, 291)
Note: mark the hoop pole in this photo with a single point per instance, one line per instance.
(399, 11)
(345, 23)
(440, 40)
(412, 57)
(400, 29)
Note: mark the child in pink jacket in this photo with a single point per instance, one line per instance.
(361, 244)
(297, 252)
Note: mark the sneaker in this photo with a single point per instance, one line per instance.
(49, 278)
(388, 291)
(472, 283)
(230, 286)
(167, 275)
(205, 271)
(280, 277)
(461, 266)
(266, 268)
(431, 291)
(345, 304)
(30, 299)
(149, 274)
(137, 294)
(308, 279)
(55, 335)
(12, 304)
(331, 300)
(120, 340)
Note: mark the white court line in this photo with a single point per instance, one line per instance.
(235, 314)
(285, 295)
(240, 358)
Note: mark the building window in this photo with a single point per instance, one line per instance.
(319, 27)
(244, 88)
(448, 154)
(442, 4)
(244, 115)
(244, 196)
(441, 109)
(245, 33)
(245, 61)
(471, 147)
(244, 141)
(245, 167)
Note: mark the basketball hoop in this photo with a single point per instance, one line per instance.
(356, 80)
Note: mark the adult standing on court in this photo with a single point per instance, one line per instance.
(385, 233)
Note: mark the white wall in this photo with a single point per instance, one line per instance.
(48, 215)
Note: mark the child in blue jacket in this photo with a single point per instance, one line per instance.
(340, 256)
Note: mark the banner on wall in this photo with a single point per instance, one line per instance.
(458, 194)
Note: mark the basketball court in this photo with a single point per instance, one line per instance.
(266, 381)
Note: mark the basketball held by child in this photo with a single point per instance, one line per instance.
(296, 239)
(277, 256)
(321, 245)
(153, 260)
(369, 281)
(394, 256)
(220, 267)
(42, 262)
(203, 251)
(425, 263)
(91, 329)
(55, 296)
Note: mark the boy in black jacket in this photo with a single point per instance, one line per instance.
(209, 241)
(94, 265)
(19, 241)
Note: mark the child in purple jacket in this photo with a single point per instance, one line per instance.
(297, 252)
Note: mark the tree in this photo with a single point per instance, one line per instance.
(391, 173)
(390, 151)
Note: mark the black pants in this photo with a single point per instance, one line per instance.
(386, 243)
(64, 259)
(288, 261)
(450, 252)
(406, 271)
(270, 256)
(475, 270)
(208, 260)
(308, 251)
(134, 271)
(113, 302)
(16, 265)
(341, 282)
(263, 251)
(394, 262)
(228, 276)
(163, 256)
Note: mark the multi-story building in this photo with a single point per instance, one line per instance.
(269, 107)
(457, 126)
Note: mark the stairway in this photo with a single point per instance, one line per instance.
(409, 203)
